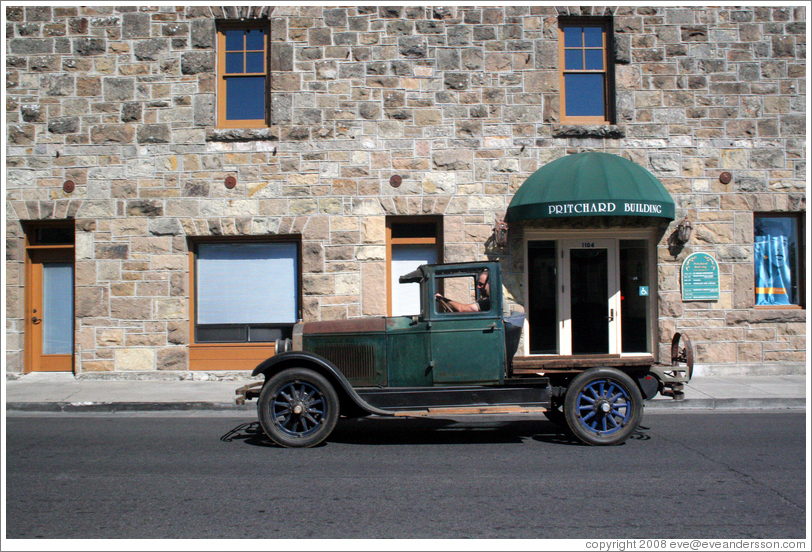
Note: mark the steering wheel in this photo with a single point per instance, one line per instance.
(445, 306)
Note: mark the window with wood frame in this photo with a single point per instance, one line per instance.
(246, 294)
(586, 70)
(779, 252)
(410, 242)
(243, 77)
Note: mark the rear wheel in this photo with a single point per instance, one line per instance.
(603, 406)
(298, 408)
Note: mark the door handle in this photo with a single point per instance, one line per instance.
(611, 315)
(490, 328)
(36, 320)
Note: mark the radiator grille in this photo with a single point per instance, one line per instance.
(356, 362)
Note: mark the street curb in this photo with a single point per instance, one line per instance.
(728, 404)
(204, 406)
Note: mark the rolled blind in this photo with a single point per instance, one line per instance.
(406, 258)
(246, 283)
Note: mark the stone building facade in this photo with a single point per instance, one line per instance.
(116, 153)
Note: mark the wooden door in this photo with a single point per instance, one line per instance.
(49, 320)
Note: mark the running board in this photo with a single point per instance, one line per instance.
(469, 398)
(430, 412)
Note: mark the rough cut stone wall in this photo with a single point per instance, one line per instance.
(461, 102)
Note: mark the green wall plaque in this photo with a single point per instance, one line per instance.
(700, 278)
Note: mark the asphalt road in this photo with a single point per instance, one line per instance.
(683, 475)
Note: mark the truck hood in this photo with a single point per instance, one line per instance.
(354, 325)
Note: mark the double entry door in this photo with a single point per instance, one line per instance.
(589, 296)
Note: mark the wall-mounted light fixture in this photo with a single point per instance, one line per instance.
(500, 233)
(684, 230)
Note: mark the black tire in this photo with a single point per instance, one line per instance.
(298, 408)
(603, 406)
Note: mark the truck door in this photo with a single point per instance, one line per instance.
(467, 347)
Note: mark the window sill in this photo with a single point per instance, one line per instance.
(588, 131)
(242, 134)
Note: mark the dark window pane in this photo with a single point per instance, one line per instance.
(584, 95)
(414, 230)
(542, 313)
(264, 334)
(593, 37)
(574, 60)
(572, 37)
(234, 63)
(634, 296)
(53, 236)
(220, 334)
(594, 60)
(245, 98)
(234, 40)
(254, 39)
(254, 62)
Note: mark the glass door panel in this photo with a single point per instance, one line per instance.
(589, 301)
(543, 298)
(57, 308)
(635, 297)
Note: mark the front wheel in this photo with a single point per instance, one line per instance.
(298, 408)
(603, 406)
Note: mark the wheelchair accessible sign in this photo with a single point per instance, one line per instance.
(700, 278)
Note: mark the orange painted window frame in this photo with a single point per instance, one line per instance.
(608, 70)
(222, 121)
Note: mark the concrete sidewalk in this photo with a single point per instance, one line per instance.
(62, 392)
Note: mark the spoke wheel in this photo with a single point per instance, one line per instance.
(603, 406)
(298, 408)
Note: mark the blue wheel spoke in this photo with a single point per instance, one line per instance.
(609, 393)
(305, 395)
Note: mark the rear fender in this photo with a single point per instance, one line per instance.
(301, 359)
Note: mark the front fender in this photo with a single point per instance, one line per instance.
(303, 359)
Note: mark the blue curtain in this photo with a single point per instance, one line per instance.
(773, 274)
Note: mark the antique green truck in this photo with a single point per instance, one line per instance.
(447, 360)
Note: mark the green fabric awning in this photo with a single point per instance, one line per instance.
(588, 185)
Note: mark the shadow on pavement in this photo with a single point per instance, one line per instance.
(428, 431)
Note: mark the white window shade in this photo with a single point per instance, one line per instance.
(247, 283)
(405, 259)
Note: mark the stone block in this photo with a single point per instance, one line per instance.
(193, 63)
(118, 89)
(90, 302)
(63, 125)
(58, 85)
(131, 308)
(203, 33)
(373, 289)
(135, 25)
(151, 49)
(98, 366)
(170, 309)
(173, 358)
(135, 359)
